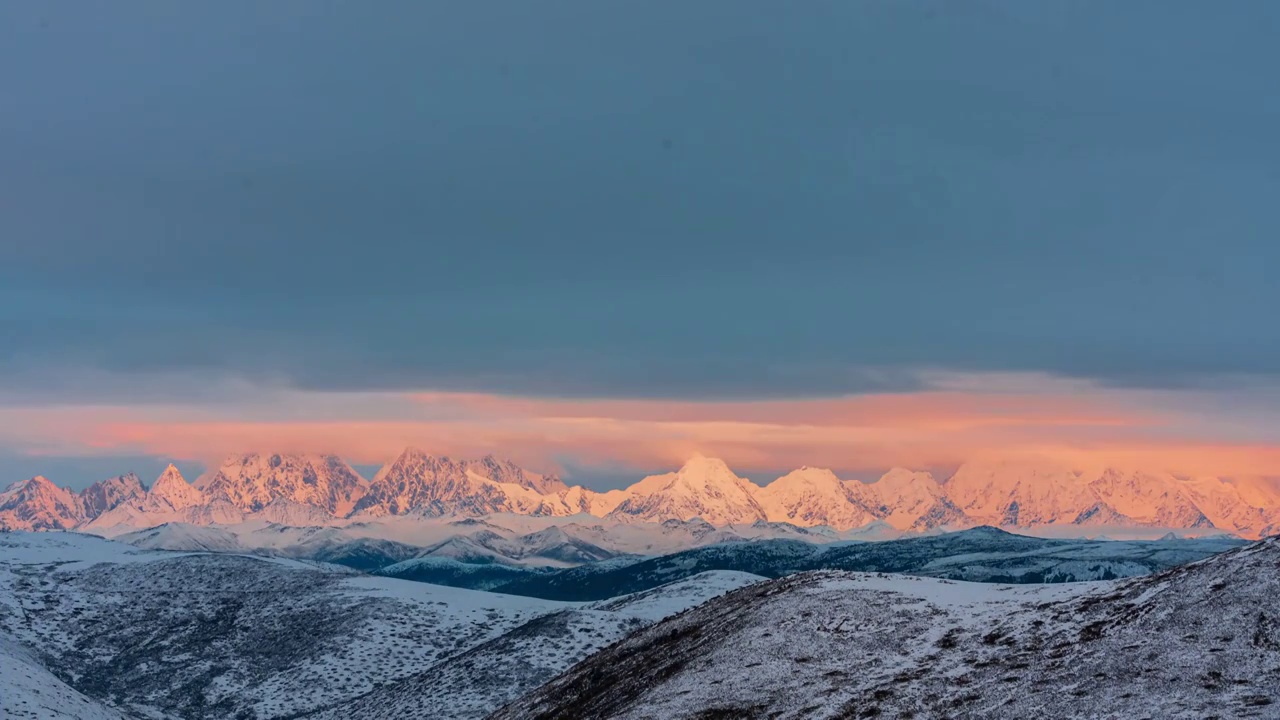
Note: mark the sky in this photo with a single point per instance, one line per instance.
(598, 237)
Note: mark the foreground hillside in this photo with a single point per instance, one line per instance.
(484, 677)
(1198, 641)
(91, 628)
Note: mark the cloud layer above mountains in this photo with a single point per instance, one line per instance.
(288, 222)
(571, 199)
(1184, 432)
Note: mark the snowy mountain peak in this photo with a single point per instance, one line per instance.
(504, 471)
(700, 464)
(1024, 491)
(1034, 492)
(38, 504)
(252, 482)
(702, 488)
(815, 496)
(810, 476)
(171, 492)
(1150, 498)
(169, 474)
(106, 495)
(411, 455)
(419, 483)
(34, 484)
(915, 501)
(413, 461)
(320, 489)
(705, 473)
(899, 477)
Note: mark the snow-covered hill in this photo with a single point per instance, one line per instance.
(29, 691)
(95, 628)
(220, 635)
(91, 628)
(1201, 640)
(474, 683)
(980, 554)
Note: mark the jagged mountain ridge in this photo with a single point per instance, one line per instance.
(254, 481)
(419, 483)
(108, 494)
(319, 490)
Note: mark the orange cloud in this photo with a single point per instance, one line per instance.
(857, 434)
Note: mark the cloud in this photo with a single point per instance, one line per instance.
(856, 435)
(510, 201)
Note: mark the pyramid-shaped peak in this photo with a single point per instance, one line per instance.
(703, 465)
(409, 457)
(495, 463)
(171, 491)
(168, 475)
(414, 454)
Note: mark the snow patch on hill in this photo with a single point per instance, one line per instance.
(473, 684)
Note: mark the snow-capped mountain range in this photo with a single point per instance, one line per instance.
(317, 490)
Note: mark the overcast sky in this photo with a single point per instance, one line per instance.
(202, 204)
